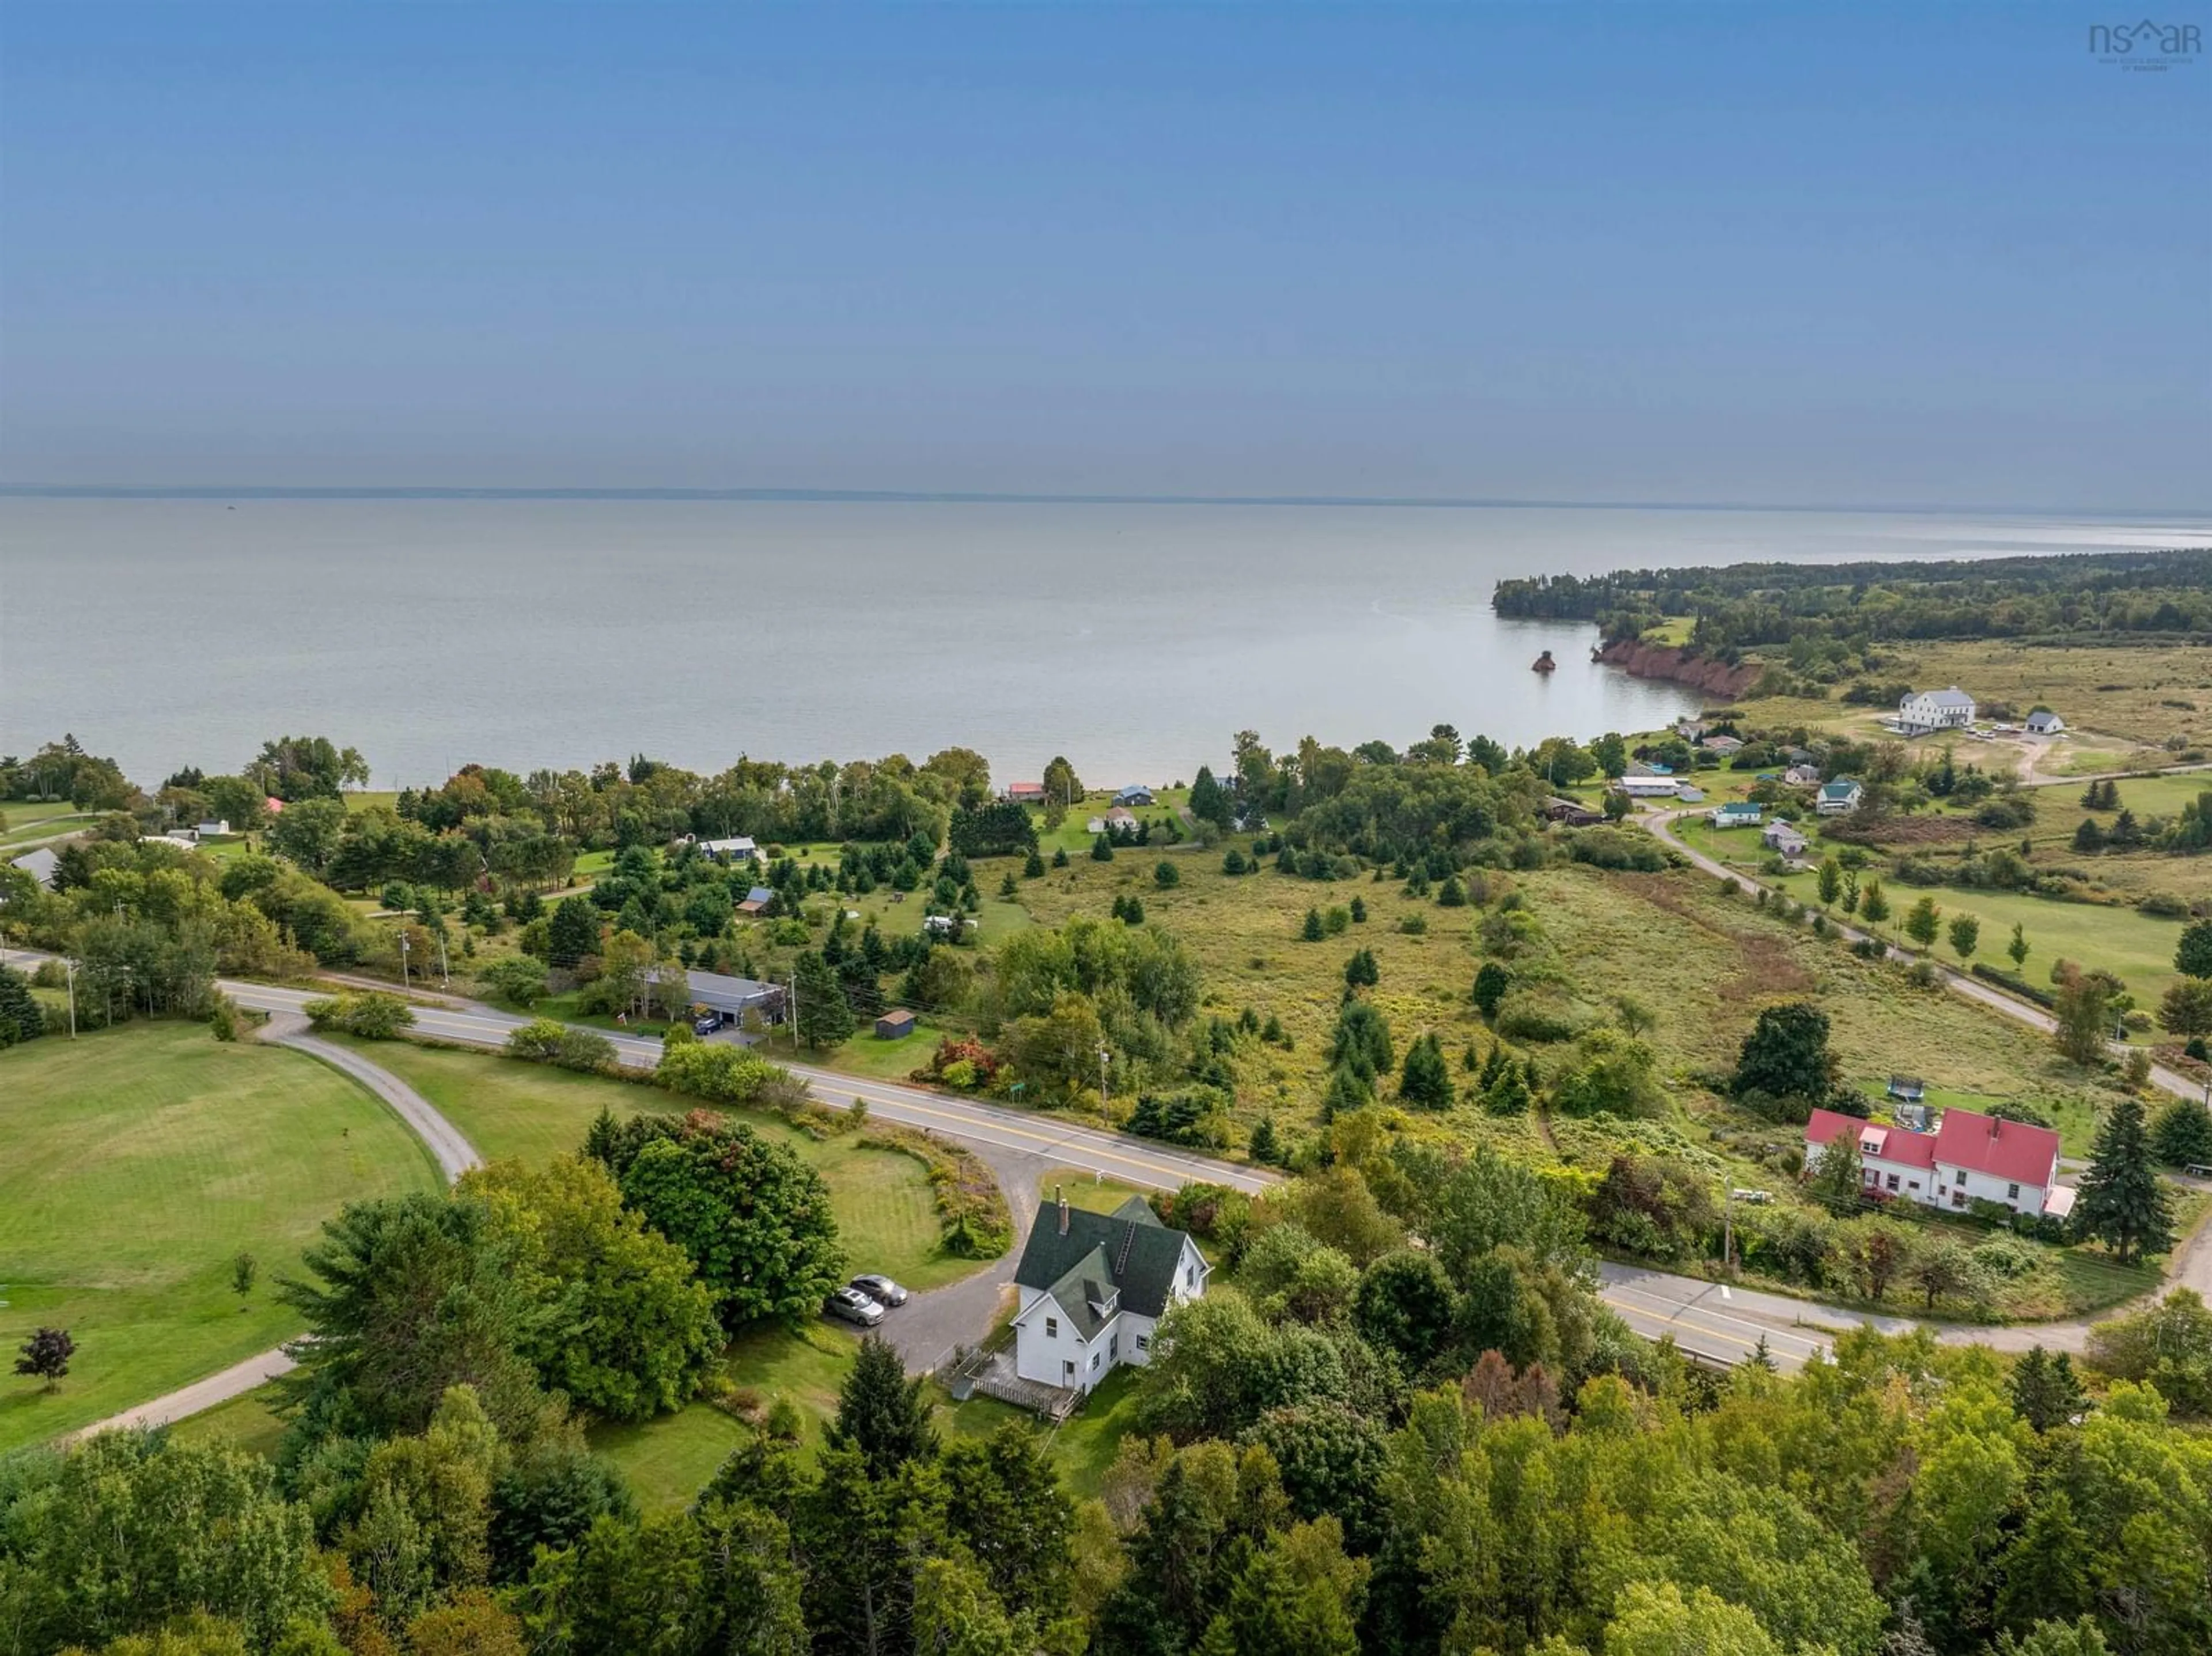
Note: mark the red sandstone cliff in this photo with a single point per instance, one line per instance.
(1715, 678)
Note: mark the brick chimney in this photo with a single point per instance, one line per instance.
(1062, 1196)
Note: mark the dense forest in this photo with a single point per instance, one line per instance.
(1745, 605)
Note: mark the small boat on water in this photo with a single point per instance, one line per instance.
(1544, 663)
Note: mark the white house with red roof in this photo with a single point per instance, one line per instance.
(1970, 1157)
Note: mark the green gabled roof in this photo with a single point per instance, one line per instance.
(1084, 1294)
(1139, 1256)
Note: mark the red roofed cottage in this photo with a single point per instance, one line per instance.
(1971, 1157)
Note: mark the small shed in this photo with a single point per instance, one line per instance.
(895, 1023)
(756, 901)
(2044, 722)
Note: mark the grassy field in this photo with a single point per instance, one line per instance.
(134, 1165)
(23, 820)
(2136, 948)
(882, 1199)
(2119, 700)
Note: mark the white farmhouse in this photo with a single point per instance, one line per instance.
(1840, 798)
(1093, 1287)
(1935, 710)
(1970, 1157)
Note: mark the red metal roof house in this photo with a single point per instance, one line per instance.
(1970, 1157)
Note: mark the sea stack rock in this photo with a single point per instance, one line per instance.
(1544, 663)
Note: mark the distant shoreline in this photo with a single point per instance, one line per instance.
(964, 497)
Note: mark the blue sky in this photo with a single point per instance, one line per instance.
(1741, 252)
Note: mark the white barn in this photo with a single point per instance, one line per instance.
(1093, 1287)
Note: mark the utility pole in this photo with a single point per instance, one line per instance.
(1728, 1234)
(69, 968)
(445, 978)
(794, 1008)
(402, 963)
(1103, 1054)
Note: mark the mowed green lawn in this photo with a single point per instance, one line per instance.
(884, 1209)
(134, 1165)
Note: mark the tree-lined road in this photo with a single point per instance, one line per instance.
(1661, 826)
(1132, 1161)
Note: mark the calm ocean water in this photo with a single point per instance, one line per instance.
(1132, 638)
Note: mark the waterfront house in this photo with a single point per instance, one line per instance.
(1840, 798)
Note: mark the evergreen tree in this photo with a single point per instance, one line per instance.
(1873, 907)
(1359, 910)
(1491, 983)
(21, 1017)
(2120, 1201)
(1264, 1148)
(1360, 971)
(1362, 1039)
(1033, 865)
(1209, 800)
(2017, 948)
(825, 1018)
(1510, 1095)
(882, 1416)
(2044, 1392)
(574, 933)
(1494, 1065)
(1312, 931)
(1348, 1090)
(1426, 1079)
(1059, 857)
(1102, 849)
(602, 1140)
(1451, 893)
(2183, 1134)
